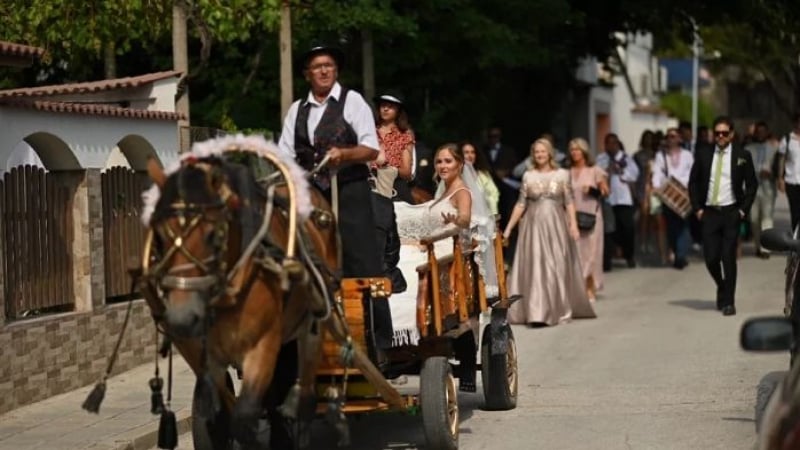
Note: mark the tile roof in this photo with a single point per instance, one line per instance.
(90, 86)
(91, 109)
(12, 49)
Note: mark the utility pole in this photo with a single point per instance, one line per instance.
(180, 62)
(695, 73)
(368, 64)
(285, 43)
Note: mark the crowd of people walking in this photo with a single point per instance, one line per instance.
(565, 215)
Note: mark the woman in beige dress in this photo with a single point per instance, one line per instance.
(546, 271)
(589, 186)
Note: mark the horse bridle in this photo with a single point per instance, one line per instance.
(190, 216)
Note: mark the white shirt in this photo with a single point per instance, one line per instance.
(619, 183)
(792, 152)
(663, 168)
(357, 113)
(726, 196)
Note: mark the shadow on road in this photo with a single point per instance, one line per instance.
(390, 431)
(738, 419)
(695, 304)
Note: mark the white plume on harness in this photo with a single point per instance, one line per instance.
(217, 147)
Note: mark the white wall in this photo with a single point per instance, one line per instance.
(91, 138)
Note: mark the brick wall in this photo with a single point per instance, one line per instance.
(47, 356)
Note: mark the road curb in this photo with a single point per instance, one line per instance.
(146, 436)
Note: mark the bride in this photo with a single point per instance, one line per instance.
(458, 207)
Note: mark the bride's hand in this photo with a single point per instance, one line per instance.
(449, 218)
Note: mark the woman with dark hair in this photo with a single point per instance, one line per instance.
(396, 140)
(475, 156)
(391, 170)
(651, 222)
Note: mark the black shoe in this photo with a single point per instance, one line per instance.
(729, 310)
(680, 263)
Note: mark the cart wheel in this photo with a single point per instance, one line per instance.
(499, 372)
(439, 404)
(211, 434)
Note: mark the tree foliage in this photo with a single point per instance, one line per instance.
(462, 64)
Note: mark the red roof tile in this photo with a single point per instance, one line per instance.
(12, 49)
(90, 86)
(91, 109)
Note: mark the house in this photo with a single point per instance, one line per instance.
(621, 95)
(74, 156)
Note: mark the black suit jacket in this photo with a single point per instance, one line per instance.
(743, 177)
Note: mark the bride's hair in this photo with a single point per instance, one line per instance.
(454, 150)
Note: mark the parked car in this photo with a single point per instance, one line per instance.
(778, 422)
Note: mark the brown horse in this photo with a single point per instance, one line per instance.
(223, 306)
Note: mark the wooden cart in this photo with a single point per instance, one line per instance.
(451, 298)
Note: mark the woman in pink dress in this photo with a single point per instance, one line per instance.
(589, 186)
(547, 269)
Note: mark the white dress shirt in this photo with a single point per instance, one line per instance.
(792, 154)
(619, 183)
(726, 196)
(665, 166)
(357, 113)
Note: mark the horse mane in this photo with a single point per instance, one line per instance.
(192, 181)
(255, 145)
(252, 199)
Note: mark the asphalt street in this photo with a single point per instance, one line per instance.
(659, 368)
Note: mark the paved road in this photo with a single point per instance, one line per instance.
(659, 368)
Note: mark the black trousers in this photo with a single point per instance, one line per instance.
(793, 195)
(361, 256)
(624, 235)
(720, 234)
(388, 240)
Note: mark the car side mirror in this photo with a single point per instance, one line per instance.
(767, 334)
(779, 240)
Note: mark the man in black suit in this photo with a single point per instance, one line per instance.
(722, 187)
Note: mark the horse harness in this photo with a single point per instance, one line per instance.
(228, 282)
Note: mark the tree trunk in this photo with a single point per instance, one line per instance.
(368, 65)
(110, 60)
(180, 62)
(285, 44)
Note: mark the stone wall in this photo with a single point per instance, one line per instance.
(50, 355)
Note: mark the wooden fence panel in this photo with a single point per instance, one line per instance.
(36, 215)
(123, 232)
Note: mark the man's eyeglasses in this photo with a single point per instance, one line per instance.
(672, 135)
(722, 133)
(320, 67)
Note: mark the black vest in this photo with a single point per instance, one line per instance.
(332, 131)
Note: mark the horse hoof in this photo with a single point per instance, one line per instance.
(244, 421)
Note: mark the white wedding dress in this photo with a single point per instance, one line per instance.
(415, 222)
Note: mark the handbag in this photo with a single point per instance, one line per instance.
(586, 221)
(382, 181)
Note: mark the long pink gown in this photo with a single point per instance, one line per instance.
(546, 271)
(590, 244)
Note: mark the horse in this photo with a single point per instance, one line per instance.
(227, 295)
